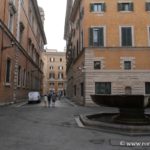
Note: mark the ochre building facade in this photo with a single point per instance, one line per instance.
(108, 48)
(21, 41)
(54, 72)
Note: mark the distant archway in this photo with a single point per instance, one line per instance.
(128, 90)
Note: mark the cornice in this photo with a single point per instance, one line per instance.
(38, 16)
(74, 9)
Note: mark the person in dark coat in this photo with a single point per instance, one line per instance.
(49, 99)
(54, 96)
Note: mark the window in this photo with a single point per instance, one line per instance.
(128, 90)
(82, 40)
(147, 6)
(60, 85)
(81, 13)
(52, 85)
(125, 6)
(60, 59)
(12, 12)
(21, 31)
(28, 80)
(51, 67)
(52, 59)
(24, 78)
(75, 90)
(82, 89)
(97, 7)
(60, 67)
(60, 75)
(147, 88)
(96, 36)
(52, 75)
(30, 12)
(22, 2)
(97, 65)
(77, 48)
(126, 36)
(10, 21)
(29, 46)
(148, 35)
(127, 65)
(19, 75)
(8, 71)
(102, 88)
(11, 2)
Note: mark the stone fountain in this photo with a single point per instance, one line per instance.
(130, 119)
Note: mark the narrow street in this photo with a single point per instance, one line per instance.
(34, 127)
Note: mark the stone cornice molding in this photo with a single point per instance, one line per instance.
(38, 16)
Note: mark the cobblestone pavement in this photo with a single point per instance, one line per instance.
(36, 127)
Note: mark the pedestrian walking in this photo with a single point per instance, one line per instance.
(59, 95)
(54, 96)
(45, 100)
(49, 99)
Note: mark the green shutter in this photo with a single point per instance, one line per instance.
(91, 7)
(104, 7)
(90, 37)
(131, 7)
(101, 37)
(119, 6)
(147, 4)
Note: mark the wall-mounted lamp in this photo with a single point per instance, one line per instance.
(11, 45)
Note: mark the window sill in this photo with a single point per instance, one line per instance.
(125, 11)
(7, 84)
(98, 12)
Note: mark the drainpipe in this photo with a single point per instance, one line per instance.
(17, 53)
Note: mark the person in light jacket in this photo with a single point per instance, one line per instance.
(54, 96)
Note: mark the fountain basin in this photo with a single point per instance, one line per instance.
(131, 107)
(131, 118)
(122, 101)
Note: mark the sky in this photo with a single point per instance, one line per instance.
(55, 12)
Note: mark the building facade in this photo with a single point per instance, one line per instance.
(54, 72)
(22, 39)
(108, 48)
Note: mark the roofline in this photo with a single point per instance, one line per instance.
(74, 10)
(38, 16)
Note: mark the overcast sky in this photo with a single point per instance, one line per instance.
(54, 22)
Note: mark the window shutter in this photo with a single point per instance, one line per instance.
(129, 37)
(91, 7)
(131, 7)
(123, 37)
(103, 7)
(147, 6)
(90, 36)
(100, 37)
(119, 6)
